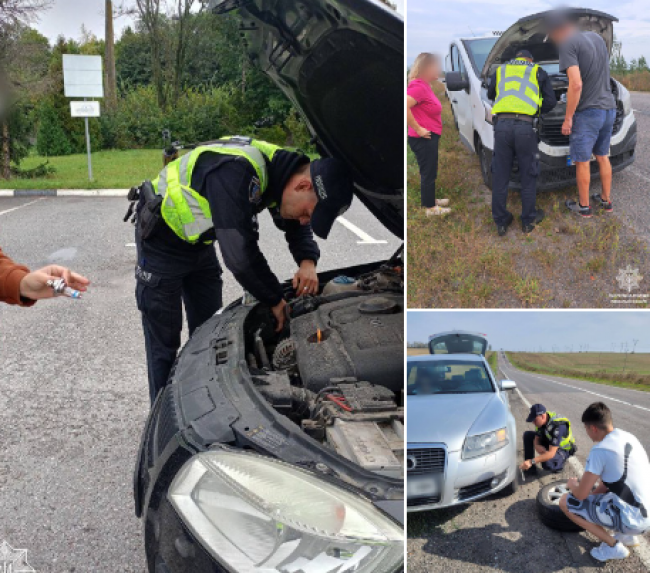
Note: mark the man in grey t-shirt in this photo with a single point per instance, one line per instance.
(590, 108)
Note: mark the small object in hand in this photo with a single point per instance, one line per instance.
(523, 475)
(60, 288)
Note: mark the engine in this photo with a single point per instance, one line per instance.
(339, 373)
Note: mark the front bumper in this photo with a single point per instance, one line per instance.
(211, 401)
(465, 481)
(554, 172)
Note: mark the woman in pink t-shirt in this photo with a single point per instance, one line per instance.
(424, 119)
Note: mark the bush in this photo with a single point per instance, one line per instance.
(638, 81)
(51, 138)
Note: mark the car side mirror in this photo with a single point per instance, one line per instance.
(508, 385)
(455, 82)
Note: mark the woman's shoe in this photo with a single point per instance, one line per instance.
(437, 211)
(442, 202)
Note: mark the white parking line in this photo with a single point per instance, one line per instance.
(366, 239)
(643, 549)
(20, 206)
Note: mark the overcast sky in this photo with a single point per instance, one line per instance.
(525, 330)
(67, 16)
(431, 25)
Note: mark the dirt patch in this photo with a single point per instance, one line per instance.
(460, 261)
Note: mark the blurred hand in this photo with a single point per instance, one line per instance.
(305, 281)
(526, 465)
(572, 483)
(567, 126)
(278, 313)
(34, 285)
(422, 132)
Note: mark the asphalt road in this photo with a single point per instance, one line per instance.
(630, 408)
(629, 187)
(73, 389)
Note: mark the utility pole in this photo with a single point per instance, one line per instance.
(110, 80)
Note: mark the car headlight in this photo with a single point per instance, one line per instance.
(483, 444)
(625, 99)
(256, 514)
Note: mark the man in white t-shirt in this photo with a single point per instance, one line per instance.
(622, 500)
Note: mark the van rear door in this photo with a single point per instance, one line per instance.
(458, 342)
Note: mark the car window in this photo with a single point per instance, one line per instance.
(478, 51)
(454, 59)
(447, 377)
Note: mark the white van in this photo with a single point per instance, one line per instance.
(470, 63)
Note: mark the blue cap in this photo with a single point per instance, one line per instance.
(335, 189)
(536, 410)
(524, 54)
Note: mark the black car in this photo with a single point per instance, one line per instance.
(284, 452)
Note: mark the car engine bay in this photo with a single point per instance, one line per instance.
(337, 369)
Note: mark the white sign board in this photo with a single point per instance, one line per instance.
(84, 108)
(83, 76)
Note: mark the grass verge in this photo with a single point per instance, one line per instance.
(112, 169)
(459, 261)
(610, 368)
(638, 81)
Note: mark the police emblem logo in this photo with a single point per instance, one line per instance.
(255, 191)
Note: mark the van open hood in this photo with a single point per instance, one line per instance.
(339, 62)
(529, 33)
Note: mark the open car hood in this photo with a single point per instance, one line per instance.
(529, 33)
(339, 62)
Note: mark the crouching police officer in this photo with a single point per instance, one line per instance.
(551, 444)
(215, 192)
(521, 90)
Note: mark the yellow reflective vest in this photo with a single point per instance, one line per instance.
(517, 88)
(185, 210)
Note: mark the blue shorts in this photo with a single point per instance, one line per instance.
(591, 133)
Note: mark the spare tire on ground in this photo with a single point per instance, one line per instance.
(548, 507)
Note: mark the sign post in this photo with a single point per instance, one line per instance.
(83, 77)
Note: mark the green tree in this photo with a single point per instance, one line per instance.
(51, 138)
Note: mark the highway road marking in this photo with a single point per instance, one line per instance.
(20, 206)
(366, 239)
(643, 549)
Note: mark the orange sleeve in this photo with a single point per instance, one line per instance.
(10, 276)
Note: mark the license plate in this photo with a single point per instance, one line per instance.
(423, 486)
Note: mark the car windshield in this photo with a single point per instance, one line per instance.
(453, 376)
(479, 50)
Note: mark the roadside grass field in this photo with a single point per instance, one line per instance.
(459, 261)
(112, 169)
(611, 368)
(638, 81)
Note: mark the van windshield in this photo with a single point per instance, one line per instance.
(479, 50)
(452, 376)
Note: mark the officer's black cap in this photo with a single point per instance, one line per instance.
(334, 188)
(535, 410)
(524, 54)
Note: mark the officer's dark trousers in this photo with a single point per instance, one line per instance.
(169, 273)
(514, 138)
(555, 464)
(426, 153)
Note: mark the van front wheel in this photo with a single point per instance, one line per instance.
(485, 158)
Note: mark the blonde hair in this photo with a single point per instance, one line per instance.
(421, 62)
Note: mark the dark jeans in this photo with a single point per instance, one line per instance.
(426, 153)
(514, 138)
(555, 464)
(169, 273)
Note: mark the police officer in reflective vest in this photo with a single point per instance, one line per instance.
(551, 444)
(216, 192)
(521, 90)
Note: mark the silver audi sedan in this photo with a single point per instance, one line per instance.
(460, 430)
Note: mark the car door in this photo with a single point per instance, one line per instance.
(461, 100)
